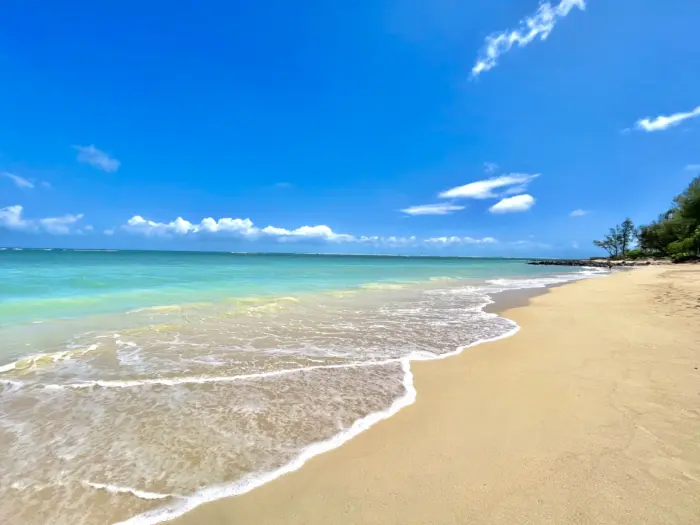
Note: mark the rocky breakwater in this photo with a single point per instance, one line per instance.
(595, 263)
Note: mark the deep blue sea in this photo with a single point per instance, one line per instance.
(136, 385)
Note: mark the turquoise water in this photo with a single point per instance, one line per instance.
(38, 285)
(135, 386)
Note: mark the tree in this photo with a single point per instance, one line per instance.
(617, 243)
(677, 231)
(626, 234)
(606, 244)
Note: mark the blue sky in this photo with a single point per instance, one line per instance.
(374, 126)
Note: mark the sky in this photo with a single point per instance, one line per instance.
(480, 128)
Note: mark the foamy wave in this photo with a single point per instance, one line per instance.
(173, 381)
(37, 360)
(539, 282)
(113, 489)
(253, 481)
(8, 367)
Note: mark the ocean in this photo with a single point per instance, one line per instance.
(135, 386)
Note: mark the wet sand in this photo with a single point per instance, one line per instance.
(589, 415)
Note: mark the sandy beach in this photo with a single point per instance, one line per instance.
(589, 415)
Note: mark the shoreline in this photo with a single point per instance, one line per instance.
(214, 494)
(290, 487)
(498, 302)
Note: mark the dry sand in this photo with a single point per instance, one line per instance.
(589, 415)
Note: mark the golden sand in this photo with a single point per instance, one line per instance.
(589, 415)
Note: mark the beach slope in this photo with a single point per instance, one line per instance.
(589, 415)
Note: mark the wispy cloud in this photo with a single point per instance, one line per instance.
(486, 189)
(443, 208)
(283, 185)
(578, 213)
(692, 167)
(20, 182)
(446, 241)
(513, 204)
(97, 158)
(11, 218)
(539, 25)
(663, 122)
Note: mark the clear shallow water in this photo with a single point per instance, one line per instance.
(136, 385)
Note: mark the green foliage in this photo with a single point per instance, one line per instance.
(626, 233)
(683, 257)
(618, 241)
(675, 233)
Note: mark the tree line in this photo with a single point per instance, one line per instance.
(675, 234)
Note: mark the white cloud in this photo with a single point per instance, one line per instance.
(242, 228)
(539, 25)
(20, 182)
(392, 241)
(484, 189)
(574, 245)
(11, 219)
(321, 232)
(513, 204)
(663, 122)
(578, 213)
(443, 208)
(445, 241)
(246, 230)
(692, 167)
(97, 158)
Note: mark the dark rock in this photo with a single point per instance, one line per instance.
(570, 262)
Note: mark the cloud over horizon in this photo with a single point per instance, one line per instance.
(245, 229)
(446, 241)
(97, 158)
(539, 25)
(11, 219)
